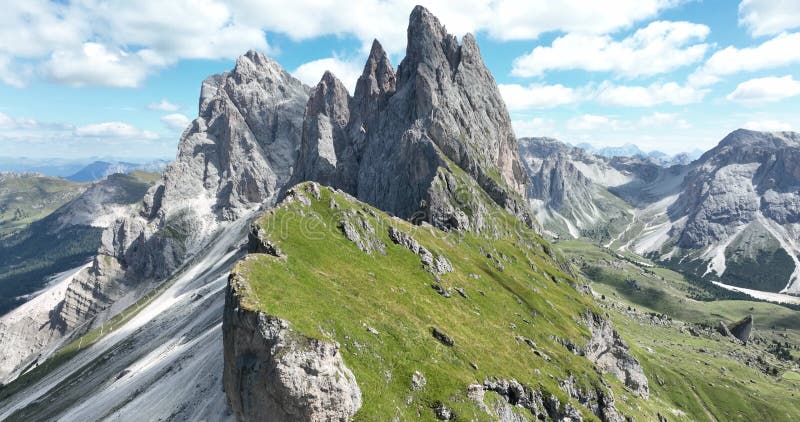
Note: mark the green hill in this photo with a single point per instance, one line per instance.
(381, 306)
(28, 197)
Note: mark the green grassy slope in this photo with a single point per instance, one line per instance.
(329, 289)
(699, 376)
(28, 198)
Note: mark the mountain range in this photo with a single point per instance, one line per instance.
(728, 216)
(398, 254)
(78, 170)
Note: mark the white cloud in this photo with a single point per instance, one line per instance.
(10, 74)
(538, 126)
(663, 120)
(8, 122)
(769, 17)
(175, 121)
(768, 125)
(590, 122)
(113, 130)
(501, 19)
(657, 48)
(518, 97)
(98, 65)
(648, 96)
(763, 90)
(311, 73)
(512, 19)
(119, 43)
(153, 33)
(164, 105)
(779, 51)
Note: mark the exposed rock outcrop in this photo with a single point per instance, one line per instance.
(740, 330)
(274, 373)
(542, 406)
(607, 350)
(393, 143)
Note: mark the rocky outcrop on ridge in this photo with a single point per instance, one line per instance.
(607, 350)
(394, 143)
(740, 330)
(274, 373)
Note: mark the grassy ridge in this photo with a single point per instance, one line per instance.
(329, 289)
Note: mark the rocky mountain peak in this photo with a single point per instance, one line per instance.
(428, 40)
(442, 105)
(258, 65)
(378, 78)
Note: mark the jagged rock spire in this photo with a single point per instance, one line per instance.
(443, 102)
(378, 77)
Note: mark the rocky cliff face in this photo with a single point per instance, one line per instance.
(739, 211)
(56, 244)
(231, 160)
(400, 132)
(274, 373)
(569, 188)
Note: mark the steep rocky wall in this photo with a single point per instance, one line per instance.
(388, 143)
(273, 373)
(232, 159)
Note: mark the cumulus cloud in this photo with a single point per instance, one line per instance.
(117, 130)
(768, 125)
(648, 96)
(590, 122)
(164, 105)
(537, 126)
(779, 51)
(119, 43)
(519, 97)
(175, 121)
(663, 120)
(347, 71)
(657, 48)
(99, 65)
(764, 90)
(769, 17)
(501, 19)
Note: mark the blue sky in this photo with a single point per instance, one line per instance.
(113, 78)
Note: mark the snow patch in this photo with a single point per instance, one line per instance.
(758, 294)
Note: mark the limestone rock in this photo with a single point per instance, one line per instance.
(742, 329)
(390, 143)
(274, 373)
(607, 350)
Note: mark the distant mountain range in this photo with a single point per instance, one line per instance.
(631, 150)
(102, 169)
(78, 170)
(732, 215)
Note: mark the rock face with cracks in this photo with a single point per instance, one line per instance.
(399, 133)
(273, 373)
(607, 350)
(232, 159)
